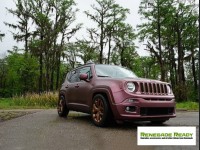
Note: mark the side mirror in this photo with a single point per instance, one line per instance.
(83, 76)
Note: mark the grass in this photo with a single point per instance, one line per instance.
(188, 105)
(49, 100)
(36, 101)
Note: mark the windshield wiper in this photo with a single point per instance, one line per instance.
(103, 76)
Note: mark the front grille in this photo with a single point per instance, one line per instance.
(151, 111)
(153, 88)
(157, 99)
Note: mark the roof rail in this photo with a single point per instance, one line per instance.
(89, 62)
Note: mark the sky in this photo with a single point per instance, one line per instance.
(83, 5)
(7, 42)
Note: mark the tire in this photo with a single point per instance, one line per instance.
(101, 113)
(158, 122)
(61, 107)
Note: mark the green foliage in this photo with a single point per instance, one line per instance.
(109, 18)
(171, 31)
(5, 103)
(44, 100)
(48, 100)
(146, 68)
(50, 22)
(86, 51)
(124, 51)
(20, 74)
(188, 105)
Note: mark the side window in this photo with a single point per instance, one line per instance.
(68, 76)
(87, 71)
(74, 76)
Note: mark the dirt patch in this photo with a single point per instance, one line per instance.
(7, 115)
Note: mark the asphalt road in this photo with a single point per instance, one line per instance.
(44, 130)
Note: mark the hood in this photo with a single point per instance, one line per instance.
(135, 79)
(144, 80)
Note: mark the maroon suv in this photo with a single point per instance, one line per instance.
(112, 92)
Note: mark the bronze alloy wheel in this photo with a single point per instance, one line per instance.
(101, 113)
(98, 110)
(62, 108)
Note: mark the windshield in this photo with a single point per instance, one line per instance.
(113, 71)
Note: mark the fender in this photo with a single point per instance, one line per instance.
(62, 92)
(104, 90)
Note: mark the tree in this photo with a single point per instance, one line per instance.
(86, 51)
(52, 19)
(23, 25)
(51, 22)
(171, 32)
(144, 66)
(18, 74)
(107, 14)
(118, 16)
(125, 49)
(151, 30)
(3, 73)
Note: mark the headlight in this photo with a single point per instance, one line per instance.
(131, 87)
(169, 89)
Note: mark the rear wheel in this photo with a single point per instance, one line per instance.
(101, 113)
(61, 107)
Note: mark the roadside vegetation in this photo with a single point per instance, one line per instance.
(188, 105)
(49, 100)
(32, 101)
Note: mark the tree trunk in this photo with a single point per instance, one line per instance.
(52, 80)
(172, 68)
(41, 67)
(58, 70)
(101, 42)
(109, 48)
(41, 73)
(122, 55)
(162, 66)
(52, 73)
(194, 74)
(182, 95)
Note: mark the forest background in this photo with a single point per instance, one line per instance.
(47, 28)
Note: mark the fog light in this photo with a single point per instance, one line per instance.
(130, 109)
(127, 108)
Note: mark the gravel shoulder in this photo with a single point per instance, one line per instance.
(11, 114)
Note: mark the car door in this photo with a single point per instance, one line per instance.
(84, 87)
(72, 86)
(65, 87)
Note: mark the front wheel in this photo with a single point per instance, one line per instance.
(101, 113)
(62, 108)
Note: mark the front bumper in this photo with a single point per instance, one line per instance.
(142, 109)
